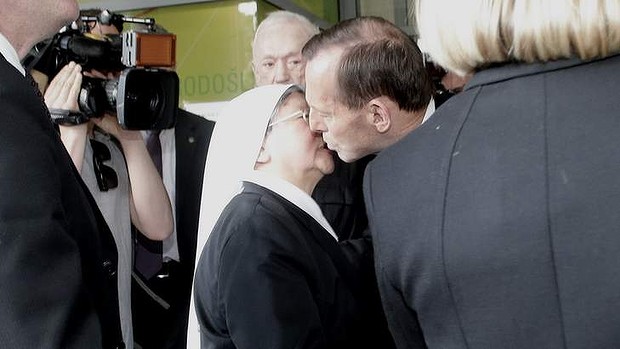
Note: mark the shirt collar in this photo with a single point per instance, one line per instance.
(293, 194)
(8, 51)
(430, 109)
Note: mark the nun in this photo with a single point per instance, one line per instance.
(271, 274)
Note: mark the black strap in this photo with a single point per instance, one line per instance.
(67, 117)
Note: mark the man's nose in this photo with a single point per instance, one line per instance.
(282, 74)
(316, 122)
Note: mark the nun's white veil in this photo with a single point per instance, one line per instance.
(235, 144)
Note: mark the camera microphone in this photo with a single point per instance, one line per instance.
(85, 47)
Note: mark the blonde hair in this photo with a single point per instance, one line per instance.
(463, 36)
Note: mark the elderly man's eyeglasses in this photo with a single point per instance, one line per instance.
(304, 114)
(106, 176)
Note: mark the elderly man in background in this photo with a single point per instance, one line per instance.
(276, 49)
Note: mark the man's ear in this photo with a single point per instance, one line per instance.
(379, 114)
(253, 66)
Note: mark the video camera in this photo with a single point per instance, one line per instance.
(143, 97)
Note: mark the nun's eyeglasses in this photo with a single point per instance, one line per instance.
(304, 114)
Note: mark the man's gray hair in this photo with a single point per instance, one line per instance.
(290, 17)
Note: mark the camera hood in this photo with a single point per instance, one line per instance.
(147, 99)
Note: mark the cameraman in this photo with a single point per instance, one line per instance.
(119, 172)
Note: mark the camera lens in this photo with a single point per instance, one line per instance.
(150, 98)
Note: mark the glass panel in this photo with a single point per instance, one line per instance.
(325, 9)
(213, 50)
(395, 11)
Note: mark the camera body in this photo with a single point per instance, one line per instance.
(144, 96)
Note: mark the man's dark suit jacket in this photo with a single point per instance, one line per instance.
(271, 277)
(339, 195)
(495, 224)
(58, 271)
(154, 326)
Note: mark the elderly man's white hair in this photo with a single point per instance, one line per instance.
(286, 16)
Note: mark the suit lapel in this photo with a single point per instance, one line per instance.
(184, 142)
(192, 136)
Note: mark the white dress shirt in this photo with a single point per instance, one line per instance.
(8, 51)
(430, 109)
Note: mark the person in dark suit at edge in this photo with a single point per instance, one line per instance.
(58, 273)
(495, 224)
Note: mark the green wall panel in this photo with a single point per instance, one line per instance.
(213, 48)
(263, 9)
(214, 40)
(326, 9)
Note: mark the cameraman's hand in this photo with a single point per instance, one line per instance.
(93, 73)
(62, 93)
(109, 123)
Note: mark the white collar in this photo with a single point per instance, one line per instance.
(293, 194)
(430, 109)
(8, 51)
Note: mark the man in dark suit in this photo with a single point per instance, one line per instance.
(161, 302)
(381, 93)
(58, 274)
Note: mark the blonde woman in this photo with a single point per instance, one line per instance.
(495, 223)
